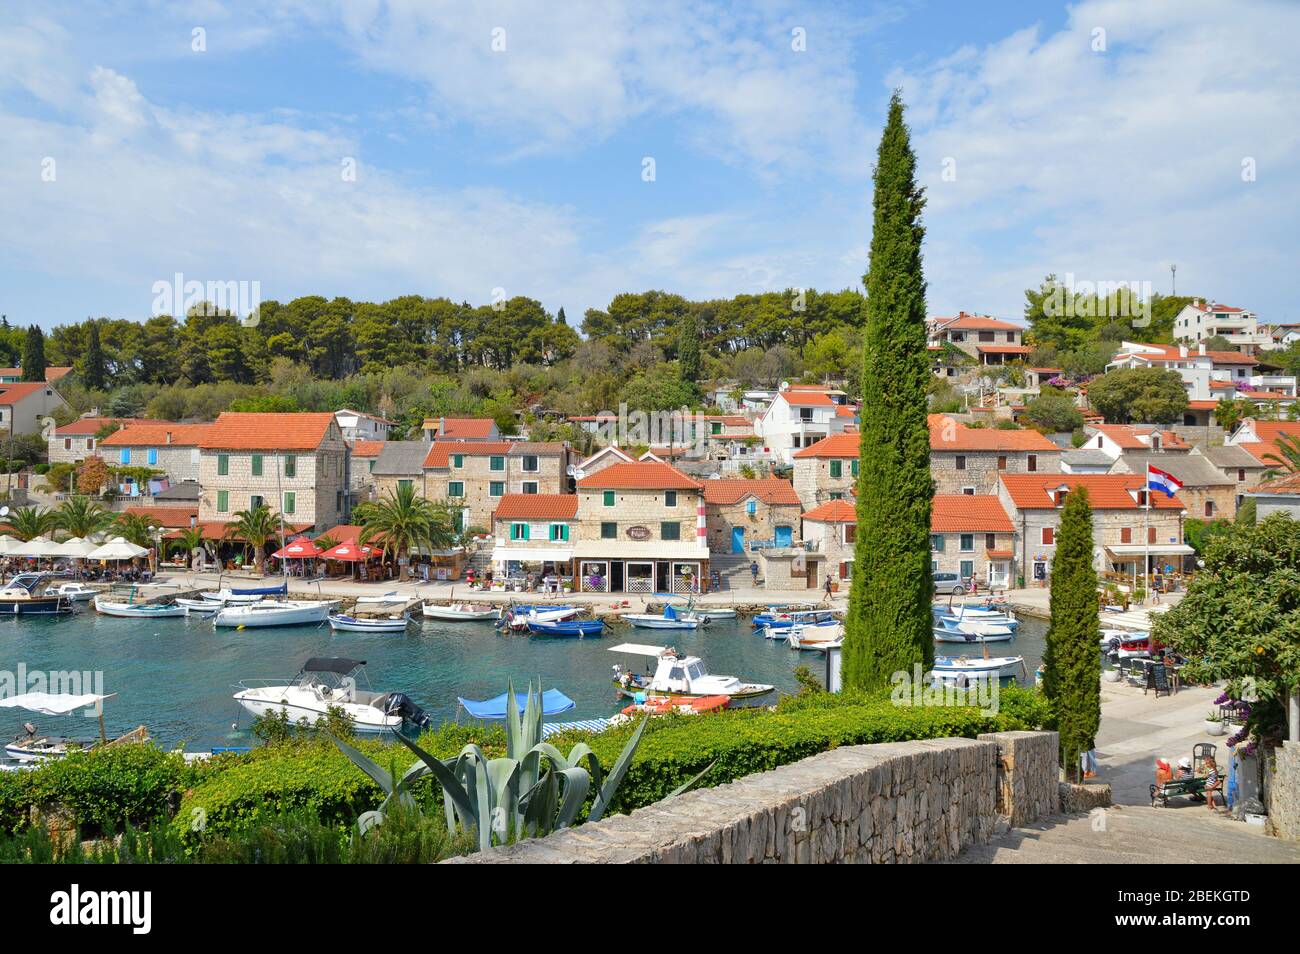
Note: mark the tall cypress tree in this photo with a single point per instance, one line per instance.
(889, 624)
(34, 355)
(92, 373)
(1071, 662)
(688, 348)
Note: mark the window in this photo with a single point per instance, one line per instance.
(990, 541)
(805, 414)
(1049, 536)
(90, 441)
(837, 468)
(609, 498)
(528, 487)
(1031, 463)
(751, 506)
(257, 465)
(1151, 535)
(519, 531)
(1209, 508)
(223, 465)
(609, 531)
(670, 498)
(936, 542)
(1002, 462)
(254, 502)
(404, 484)
(1011, 337)
(530, 464)
(850, 532)
(1125, 534)
(961, 461)
(290, 501)
(670, 530)
(967, 569)
(223, 501)
(124, 455)
(151, 455)
(291, 465)
(853, 468)
(967, 542)
(458, 461)
(560, 531)
(715, 428)
(986, 336)
(67, 445)
(456, 488)
(1241, 473)
(496, 462)
(497, 488)
(968, 491)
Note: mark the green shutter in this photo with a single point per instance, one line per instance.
(257, 465)
(837, 468)
(223, 465)
(496, 488)
(456, 489)
(853, 467)
(458, 461)
(495, 463)
(609, 498)
(223, 501)
(291, 465)
(936, 542)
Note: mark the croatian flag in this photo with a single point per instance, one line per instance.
(1160, 480)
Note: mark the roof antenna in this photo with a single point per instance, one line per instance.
(1173, 281)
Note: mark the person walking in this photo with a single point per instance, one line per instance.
(827, 588)
(753, 572)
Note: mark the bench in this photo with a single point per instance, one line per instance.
(1175, 787)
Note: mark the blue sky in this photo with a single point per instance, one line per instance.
(1102, 139)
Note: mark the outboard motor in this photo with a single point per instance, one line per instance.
(399, 703)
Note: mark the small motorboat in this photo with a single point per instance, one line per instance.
(664, 705)
(276, 613)
(945, 635)
(815, 638)
(245, 596)
(389, 597)
(711, 613)
(963, 670)
(27, 595)
(1134, 645)
(324, 683)
(198, 607)
(396, 623)
(784, 620)
(459, 612)
(964, 628)
(131, 610)
(77, 592)
(668, 619)
(678, 676)
(688, 604)
(518, 617)
(33, 746)
(567, 629)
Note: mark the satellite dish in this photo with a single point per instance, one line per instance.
(4, 511)
(579, 473)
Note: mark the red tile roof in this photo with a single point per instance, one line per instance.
(156, 435)
(1129, 436)
(847, 444)
(1003, 349)
(1105, 491)
(833, 511)
(90, 426)
(1268, 433)
(947, 434)
(441, 452)
(1289, 484)
(968, 513)
(1164, 353)
(965, 322)
(52, 373)
(217, 530)
(537, 507)
(802, 398)
(16, 393)
(367, 448)
(234, 430)
(463, 428)
(169, 517)
(639, 475)
(770, 490)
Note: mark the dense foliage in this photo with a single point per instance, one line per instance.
(888, 626)
(1139, 396)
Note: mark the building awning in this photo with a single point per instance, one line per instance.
(1000, 554)
(639, 550)
(1132, 551)
(502, 554)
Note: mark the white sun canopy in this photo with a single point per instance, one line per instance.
(638, 649)
(40, 547)
(7, 543)
(117, 549)
(49, 703)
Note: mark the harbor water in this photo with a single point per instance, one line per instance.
(176, 676)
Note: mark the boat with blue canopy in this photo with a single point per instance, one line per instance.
(566, 629)
(782, 619)
(553, 703)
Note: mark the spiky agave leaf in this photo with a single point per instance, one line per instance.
(615, 778)
(455, 796)
(691, 783)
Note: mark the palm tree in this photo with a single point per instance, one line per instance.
(133, 528)
(82, 517)
(31, 522)
(405, 522)
(1288, 454)
(254, 527)
(189, 540)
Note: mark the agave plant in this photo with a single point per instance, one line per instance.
(534, 790)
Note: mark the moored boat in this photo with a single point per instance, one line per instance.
(517, 617)
(786, 619)
(963, 670)
(815, 638)
(679, 676)
(459, 612)
(396, 623)
(26, 595)
(246, 595)
(571, 629)
(324, 683)
(77, 592)
(668, 619)
(198, 607)
(131, 610)
(275, 613)
(664, 705)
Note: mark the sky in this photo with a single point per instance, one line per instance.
(571, 151)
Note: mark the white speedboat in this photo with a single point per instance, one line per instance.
(815, 638)
(946, 635)
(276, 613)
(367, 624)
(112, 607)
(329, 682)
(459, 611)
(77, 592)
(32, 746)
(715, 612)
(517, 618)
(668, 619)
(681, 677)
(962, 670)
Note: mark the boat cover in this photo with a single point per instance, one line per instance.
(332, 664)
(553, 702)
(262, 590)
(50, 703)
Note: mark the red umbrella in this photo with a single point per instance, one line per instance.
(298, 550)
(352, 553)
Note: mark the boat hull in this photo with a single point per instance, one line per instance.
(570, 629)
(138, 610)
(949, 636)
(452, 614)
(39, 606)
(361, 722)
(250, 617)
(660, 622)
(354, 625)
(747, 696)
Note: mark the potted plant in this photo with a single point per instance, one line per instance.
(1213, 723)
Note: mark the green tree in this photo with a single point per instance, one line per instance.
(1246, 512)
(1053, 413)
(1287, 458)
(403, 522)
(28, 523)
(1071, 663)
(34, 363)
(92, 367)
(1230, 412)
(254, 527)
(134, 528)
(80, 516)
(688, 349)
(1139, 395)
(888, 627)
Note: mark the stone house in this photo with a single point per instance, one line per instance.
(1128, 522)
(641, 529)
(1207, 492)
(973, 537)
(473, 476)
(831, 529)
(170, 448)
(740, 514)
(1238, 464)
(988, 340)
(74, 442)
(362, 457)
(828, 470)
(969, 460)
(399, 463)
(295, 464)
(534, 533)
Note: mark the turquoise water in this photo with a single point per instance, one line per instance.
(176, 676)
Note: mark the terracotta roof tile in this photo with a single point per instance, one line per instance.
(1129, 436)
(367, 448)
(770, 490)
(441, 452)
(1105, 491)
(969, 513)
(537, 507)
(965, 322)
(462, 428)
(234, 430)
(833, 511)
(21, 391)
(156, 434)
(1268, 433)
(847, 444)
(90, 426)
(947, 434)
(640, 475)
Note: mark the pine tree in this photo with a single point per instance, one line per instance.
(889, 623)
(559, 317)
(92, 374)
(688, 348)
(1071, 662)
(34, 355)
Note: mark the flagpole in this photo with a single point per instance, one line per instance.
(1146, 537)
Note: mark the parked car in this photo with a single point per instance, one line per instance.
(949, 583)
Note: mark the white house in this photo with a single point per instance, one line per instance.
(1200, 320)
(360, 426)
(25, 406)
(799, 416)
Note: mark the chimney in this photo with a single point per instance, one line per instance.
(169, 437)
(1200, 349)
(442, 427)
(1182, 351)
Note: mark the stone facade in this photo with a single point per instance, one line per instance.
(977, 472)
(969, 555)
(640, 507)
(317, 485)
(177, 462)
(475, 476)
(899, 802)
(819, 479)
(1282, 790)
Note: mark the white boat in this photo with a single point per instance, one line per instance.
(963, 627)
(276, 613)
(681, 677)
(389, 597)
(688, 604)
(198, 607)
(329, 682)
(33, 746)
(814, 638)
(517, 618)
(969, 611)
(111, 607)
(77, 592)
(244, 597)
(962, 633)
(962, 670)
(362, 624)
(668, 619)
(712, 613)
(459, 611)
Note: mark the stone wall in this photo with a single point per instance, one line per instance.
(1282, 791)
(899, 802)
